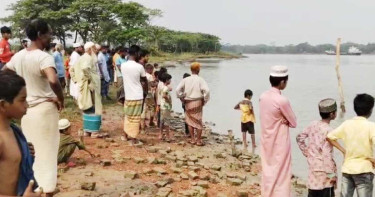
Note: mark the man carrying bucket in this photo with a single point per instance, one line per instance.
(88, 80)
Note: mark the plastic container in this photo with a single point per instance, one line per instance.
(92, 122)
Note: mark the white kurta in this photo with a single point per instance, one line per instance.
(73, 87)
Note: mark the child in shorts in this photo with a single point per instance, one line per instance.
(247, 118)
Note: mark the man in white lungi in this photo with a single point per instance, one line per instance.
(45, 99)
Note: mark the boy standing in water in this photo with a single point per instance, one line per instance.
(16, 162)
(247, 118)
(358, 135)
(319, 152)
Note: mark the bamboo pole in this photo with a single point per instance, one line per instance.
(231, 142)
(341, 91)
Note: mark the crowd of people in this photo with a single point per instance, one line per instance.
(316, 143)
(35, 81)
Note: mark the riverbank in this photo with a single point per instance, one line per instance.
(190, 57)
(157, 168)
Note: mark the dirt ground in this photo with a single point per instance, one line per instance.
(177, 158)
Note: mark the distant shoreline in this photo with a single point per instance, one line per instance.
(191, 57)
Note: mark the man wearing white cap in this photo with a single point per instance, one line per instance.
(88, 80)
(276, 116)
(73, 87)
(68, 144)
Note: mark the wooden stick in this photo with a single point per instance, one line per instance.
(341, 91)
(231, 142)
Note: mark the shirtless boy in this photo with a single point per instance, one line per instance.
(16, 174)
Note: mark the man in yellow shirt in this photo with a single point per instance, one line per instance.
(358, 135)
(247, 118)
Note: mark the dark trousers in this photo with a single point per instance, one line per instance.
(104, 88)
(62, 82)
(121, 94)
(159, 115)
(327, 192)
(111, 74)
(1, 65)
(90, 110)
(186, 125)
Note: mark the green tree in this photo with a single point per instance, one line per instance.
(90, 16)
(53, 11)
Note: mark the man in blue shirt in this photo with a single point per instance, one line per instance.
(104, 75)
(59, 61)
(122, 59)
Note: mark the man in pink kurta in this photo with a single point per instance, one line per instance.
(276, 116)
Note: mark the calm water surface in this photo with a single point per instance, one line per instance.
(312, 78)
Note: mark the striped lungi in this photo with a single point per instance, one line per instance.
(193, 113)
(133, 112)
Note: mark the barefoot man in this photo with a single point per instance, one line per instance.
(194, 92)
(134, 74)
(276, 116)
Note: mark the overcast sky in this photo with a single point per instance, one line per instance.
(276, 22)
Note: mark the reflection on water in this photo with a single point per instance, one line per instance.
(312, 78)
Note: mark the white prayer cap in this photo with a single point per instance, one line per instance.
(279, 71)
(64, 124)
(76, 45)
(89, 45)
(98, 47)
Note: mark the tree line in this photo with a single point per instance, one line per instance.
(112, 22)
(302, 48)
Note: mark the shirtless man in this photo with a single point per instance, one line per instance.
(16, 174)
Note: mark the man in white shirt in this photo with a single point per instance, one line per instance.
(133, 74)
(73, 87)
(194, 92)
(45, 99)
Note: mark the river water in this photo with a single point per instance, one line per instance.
(311, 79)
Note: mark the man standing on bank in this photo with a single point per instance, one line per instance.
(276, 116)
(194, 92)
(45, 99)
(134, 74)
